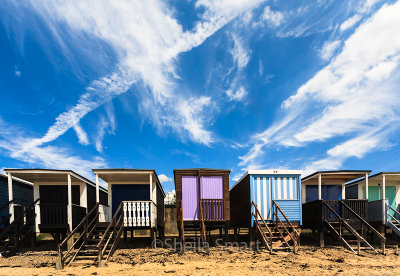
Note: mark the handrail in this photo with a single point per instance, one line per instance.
(203, 231)
(181, 222)
(15, 224)
(394, 210)
(355, 233)
(258, 212)
(62, 257)
(113, 223)
(364, 221)
(283, 214)
(78, 226)
(109, 226)
(280, 233)
(265, 238)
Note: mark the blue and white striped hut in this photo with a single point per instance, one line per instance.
(266, 188)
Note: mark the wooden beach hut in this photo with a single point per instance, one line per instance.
(135, 195)
(62, 198)
(202, 202)
(326, 209)
(16, 212)
(268, 203)
(383, 195)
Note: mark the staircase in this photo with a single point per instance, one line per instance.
(392, 222)
(343, 230)
(18, 232)
(276, 234)
(193, 232)
(90, 243)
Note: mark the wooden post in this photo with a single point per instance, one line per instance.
(97, 189)
(69, 207)
(10, 197)
(366, 186)
(383, 199)
(321, 237)
(319, 187)
(235, 234)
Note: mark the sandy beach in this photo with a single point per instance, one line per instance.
(310, 260)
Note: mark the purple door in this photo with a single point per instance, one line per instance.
(190, 198)
(211, 187)
(212, 197)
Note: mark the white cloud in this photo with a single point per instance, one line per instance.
(350, 22)
(82, 136)
(163, 178)
(275, 18)
(149, 58)
(237, 95)
(17, 145)
(241, 55)
(329, 49)
(351, 97)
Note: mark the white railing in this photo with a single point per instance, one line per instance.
(139, 213)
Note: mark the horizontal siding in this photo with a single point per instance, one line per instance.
(291, 208)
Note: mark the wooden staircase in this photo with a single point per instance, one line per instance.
(193, 232)
(90, 243)
(393, 223)
(343, 230)
(276, 234)
(18, 232)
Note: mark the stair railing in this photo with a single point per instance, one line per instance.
(296, 237)
(16, 228)
(280, 232)
(112, 233)
(85, 227)
(370, 227)
(351, 229)
(268, 240)
(388, 208)
(203, 227)
(181, 224)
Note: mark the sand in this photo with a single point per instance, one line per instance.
(309, 261)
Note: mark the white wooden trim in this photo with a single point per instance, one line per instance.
(319, 187)
(97, 189)
(343, 191)
(36, 195)
(383, 201)
(69, 202)
(366, 186)
(110, 200)
(10, 197)
(83, 195)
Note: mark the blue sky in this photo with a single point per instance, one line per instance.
(311, 85)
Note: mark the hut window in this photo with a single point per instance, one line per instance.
(285, 188)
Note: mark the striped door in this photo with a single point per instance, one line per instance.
(262, 195)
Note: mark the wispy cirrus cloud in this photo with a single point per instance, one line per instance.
(353, 97)
(16, 143)
(148, 59)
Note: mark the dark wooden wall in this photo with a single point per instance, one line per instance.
(352, 192)
(22, 193)
(58, 194)
(225, 175)
(241, 203)
(160, 206)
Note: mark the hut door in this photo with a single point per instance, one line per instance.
(212, 195)
(190, 198)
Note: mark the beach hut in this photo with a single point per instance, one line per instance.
(326, 209)
(268, 203)
(16, 213)
(62, 199)
(202, 202)
(135, 195)
(383, 199)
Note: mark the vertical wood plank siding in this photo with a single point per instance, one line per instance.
(209, 177)
(190, 198)
(263, 189)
